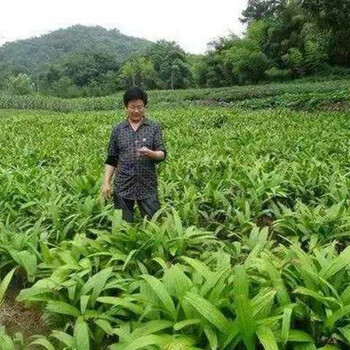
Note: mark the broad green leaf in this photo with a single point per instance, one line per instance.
(81, 334)
(176, 282)
(122, 302)
(180, 343)
(161, 292)
(277, 281)
(5, 283)
(177, 222)
(299, 336)
(96, 283)
(212, 337)
(27, 260)
(232, 335)
(337, 315)
(342, 261)
(198, 266)
(210, 283)
(142, 342)
(129, 257)
(267, 338)
(161, 262)
(44, 343)
(345, 296)
(186, 323)
(315, 295)
(262, 303)
(151, 327)
(208, 311)
(63, 337)
(45, 252)
(345, 331)
(105, 326)
(243, 308)
(304, 346)
(69, 260)
(5, 341)
(84, 300)
(63, 308)
(286, 323)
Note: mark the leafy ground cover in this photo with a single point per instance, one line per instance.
(250, 249)
(300, 94)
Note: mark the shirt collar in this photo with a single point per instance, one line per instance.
(125, 123)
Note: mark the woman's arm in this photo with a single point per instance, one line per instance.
(107, 183)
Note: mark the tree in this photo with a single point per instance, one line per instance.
(294, 60)
(219, 70)
(317, 45)
(175, 74)
(138, 71)
(47, 76)
(109, 82)
(66, 88)
(199, 70)
(248, 63)
(334, 16)
(85, 67)
(284, 33)
(71, 49)
(81, 68)
(223, 43)
(261, 9)
(169, 62)
(20, 84)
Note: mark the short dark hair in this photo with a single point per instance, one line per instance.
(135, 93)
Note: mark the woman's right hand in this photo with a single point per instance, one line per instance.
(107, 191)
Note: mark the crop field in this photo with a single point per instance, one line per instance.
(249, 251)
(302, 94)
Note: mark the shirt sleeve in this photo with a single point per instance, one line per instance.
(158, 142)
(113, 150)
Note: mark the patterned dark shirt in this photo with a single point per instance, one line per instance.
(135, 176)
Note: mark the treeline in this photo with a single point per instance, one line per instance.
(285, 39)
(97, 72)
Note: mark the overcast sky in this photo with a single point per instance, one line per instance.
(191, 23)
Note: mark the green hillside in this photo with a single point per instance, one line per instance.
(32, 54)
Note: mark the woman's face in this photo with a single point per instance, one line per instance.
(135, 110)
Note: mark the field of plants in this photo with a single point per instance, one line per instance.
(249, 251)
(300, 94)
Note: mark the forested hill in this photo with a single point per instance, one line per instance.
(32, 54)
(284, 40)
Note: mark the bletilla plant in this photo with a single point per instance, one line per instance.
(250, 248)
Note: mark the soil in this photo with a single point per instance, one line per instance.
(18, 318)
(335, 106)
(265, 220)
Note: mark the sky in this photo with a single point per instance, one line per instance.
(191, 23)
